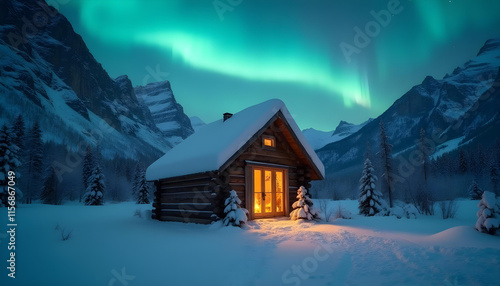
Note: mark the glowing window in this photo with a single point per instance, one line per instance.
(268, 142)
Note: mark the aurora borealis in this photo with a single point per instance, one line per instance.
(226, 55)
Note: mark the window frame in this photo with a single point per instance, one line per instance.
(273, 140)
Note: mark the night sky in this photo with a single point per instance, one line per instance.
(222, 56)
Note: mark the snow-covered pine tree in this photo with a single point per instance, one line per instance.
(49, 194)
(8, 162)
(235, 214)
(370, 200)
(495, 178)
(141, 194)
(475, 192)
(385, 153)
(488, 216)
(303, 208)
(33, 161)
(88, 166)
(96, 188)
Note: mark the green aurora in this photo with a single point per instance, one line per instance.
(225, 55)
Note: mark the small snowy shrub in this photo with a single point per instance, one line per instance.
(341, 212)
(448, 209)
(488, 216)
(235, 215)
(475, 192)
(369, 198)
(398, 212)
(410, 211)
(303, 207)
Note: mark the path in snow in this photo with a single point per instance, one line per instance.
(363, 257)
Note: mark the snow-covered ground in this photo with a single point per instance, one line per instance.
(109, 245)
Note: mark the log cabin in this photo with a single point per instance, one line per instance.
(259, 152)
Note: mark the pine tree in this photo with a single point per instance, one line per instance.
(303, 208)
(488, 216)
(141, 194)
(495, 178)
(385, 153)
(235, 214)
(50, 194)
(137, 178)
(425, 155)
(481, 161)
(18, 138)
(96, 188)
(18, 130)
(8, 163)
(88, 167)
(369, 199)
(33, 162)
(475, 191)
(462, 161)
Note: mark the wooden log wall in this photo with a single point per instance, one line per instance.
(186, 199)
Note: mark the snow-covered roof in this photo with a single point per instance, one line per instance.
(215, 143)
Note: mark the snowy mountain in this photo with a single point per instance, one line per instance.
(447, 109)
(345, 129)
(48, 75)
(318, 138)
(167, 114)
(196, 122)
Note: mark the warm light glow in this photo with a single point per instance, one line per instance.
(279, 202)
(258, 203)
(279, 191)
(268, 192)
(257, 175)
(268, 142)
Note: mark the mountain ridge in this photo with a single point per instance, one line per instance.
(51, 77)
(434, 105)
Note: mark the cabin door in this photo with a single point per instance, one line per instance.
(268, 192)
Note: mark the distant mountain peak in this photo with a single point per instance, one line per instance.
(167, 114)
(429, 80)
(489, 45)
(156, 85)
(346, 128)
